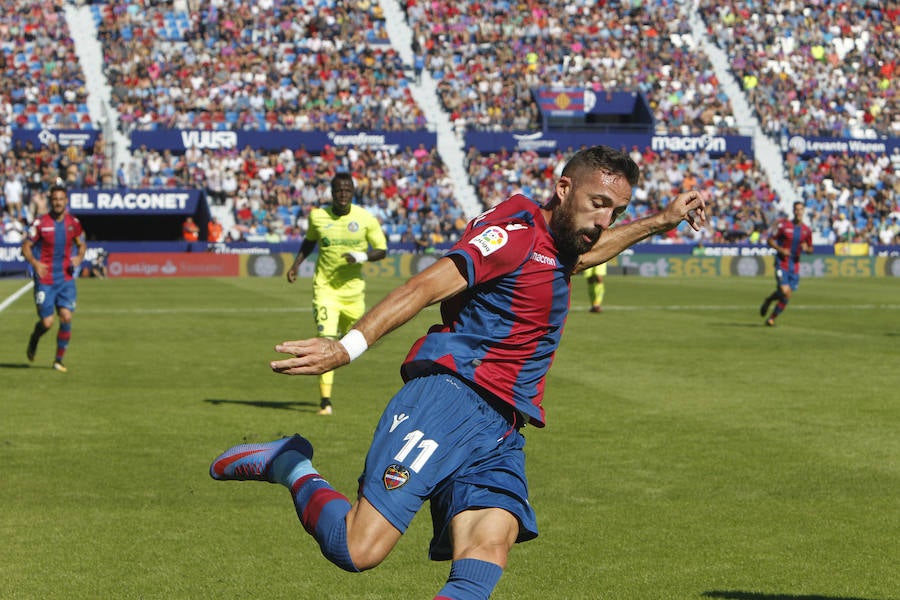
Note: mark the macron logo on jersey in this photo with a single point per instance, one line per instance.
(490, 240)
(543, 259)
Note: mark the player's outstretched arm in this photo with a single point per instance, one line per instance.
(314, 356)
(687, 206)
(306, 249)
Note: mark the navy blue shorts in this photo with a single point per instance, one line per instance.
(788, 278)
(49, 297)
(439, 440)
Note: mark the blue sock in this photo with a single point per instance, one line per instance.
(470, 579)
(290, 466)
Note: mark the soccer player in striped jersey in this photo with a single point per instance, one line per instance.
(789, 238)
(452, 433)
(48, 249)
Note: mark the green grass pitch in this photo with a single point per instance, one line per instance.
(691, 452)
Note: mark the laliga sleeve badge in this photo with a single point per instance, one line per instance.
(490, 240)
(395, 477)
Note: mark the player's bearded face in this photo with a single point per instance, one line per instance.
(571, 239)
(58, 201)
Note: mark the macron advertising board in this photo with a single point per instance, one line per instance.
(550, 142)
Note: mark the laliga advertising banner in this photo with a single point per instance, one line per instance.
(172, 264)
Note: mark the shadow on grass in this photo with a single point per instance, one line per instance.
(18, 366)
(265, 404)
(738, 595)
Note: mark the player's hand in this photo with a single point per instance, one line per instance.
(40, 269)
(292, 275)
(689, 207)
(310, 357)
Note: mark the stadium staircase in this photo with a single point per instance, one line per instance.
(424, 91)
(765, 150)
(90, 56)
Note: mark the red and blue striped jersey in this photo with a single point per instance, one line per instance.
(501, 333)
(791, 235)
(53, 242)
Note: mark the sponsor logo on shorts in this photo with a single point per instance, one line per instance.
(490, 240)
(397, 420)
(395, 477)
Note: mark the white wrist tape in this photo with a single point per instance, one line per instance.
(359, 257)
(354, 343)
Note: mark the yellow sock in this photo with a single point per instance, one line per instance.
(326, 380)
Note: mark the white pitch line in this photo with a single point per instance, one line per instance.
(575, 308)
(24, 289)
(744, 307)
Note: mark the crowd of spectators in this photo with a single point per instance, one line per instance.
(741, 203)
(269, 194)
(324, 65)
(28, 171)
(814, 68)
(488, 57)
(42, 84)
(849, 198)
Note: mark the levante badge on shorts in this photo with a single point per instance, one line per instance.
(395, 477)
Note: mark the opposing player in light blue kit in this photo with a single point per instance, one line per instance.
(452, 435)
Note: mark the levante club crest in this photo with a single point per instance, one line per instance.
(395, 477)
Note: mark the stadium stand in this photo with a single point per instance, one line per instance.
(267, 196)
(487, 64)
(742, 204)
(823, 70)
(263, 66)
(42, 85)
(813, 69)
(330, 66)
